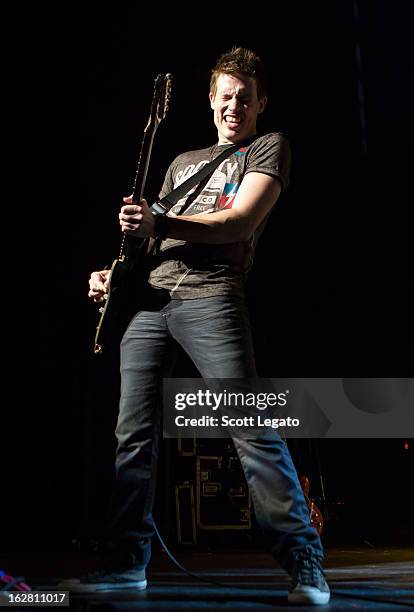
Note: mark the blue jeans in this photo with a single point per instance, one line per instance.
(215, 332)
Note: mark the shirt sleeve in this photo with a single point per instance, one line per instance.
(168, 184)
(270, 154)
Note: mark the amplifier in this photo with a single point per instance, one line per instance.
(222, 497)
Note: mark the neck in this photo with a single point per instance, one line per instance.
(226, 141)
(222, 140)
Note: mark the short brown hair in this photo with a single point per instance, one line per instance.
(241, 61)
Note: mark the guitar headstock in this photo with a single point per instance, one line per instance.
(160, 100)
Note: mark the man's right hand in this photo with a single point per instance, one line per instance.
(98, 285)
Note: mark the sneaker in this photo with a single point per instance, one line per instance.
(308, 581)
(106, 580)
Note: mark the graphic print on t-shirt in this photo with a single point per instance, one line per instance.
(219, 193)
(229, 193)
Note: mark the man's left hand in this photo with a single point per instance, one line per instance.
(136, 219)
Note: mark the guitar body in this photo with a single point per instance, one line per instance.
(128, 274)
(127, 280)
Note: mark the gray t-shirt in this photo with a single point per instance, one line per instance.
(193, 270)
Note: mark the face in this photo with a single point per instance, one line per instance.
(236, 107)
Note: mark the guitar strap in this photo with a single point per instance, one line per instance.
(161, 207)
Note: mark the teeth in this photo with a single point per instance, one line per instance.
(232, 119)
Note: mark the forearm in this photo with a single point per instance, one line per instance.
(222, 227)
(254, 200)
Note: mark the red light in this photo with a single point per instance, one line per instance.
(406, 445)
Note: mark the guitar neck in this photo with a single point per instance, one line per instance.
(143, 163)
(159, 107)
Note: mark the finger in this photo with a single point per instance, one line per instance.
(130, 218)
(98, 299)
(129, 227)
(96, 285)
(97, 293)
(131, 223)
(99, 276)
(128, 199)
(131, 209)
(97, 296)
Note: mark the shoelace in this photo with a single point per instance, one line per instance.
(307, 570)
(13, 583)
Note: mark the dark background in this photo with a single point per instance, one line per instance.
(331, 293)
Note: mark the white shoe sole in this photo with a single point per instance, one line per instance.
(309, 596)
(99, 587)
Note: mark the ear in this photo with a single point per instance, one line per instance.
(211, 96)
(262, 104)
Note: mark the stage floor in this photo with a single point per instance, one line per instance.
(360, 579)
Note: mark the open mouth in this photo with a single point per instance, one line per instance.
(232, 121)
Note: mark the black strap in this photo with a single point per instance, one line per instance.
(161, 207)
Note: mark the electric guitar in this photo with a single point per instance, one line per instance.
(127, 272)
